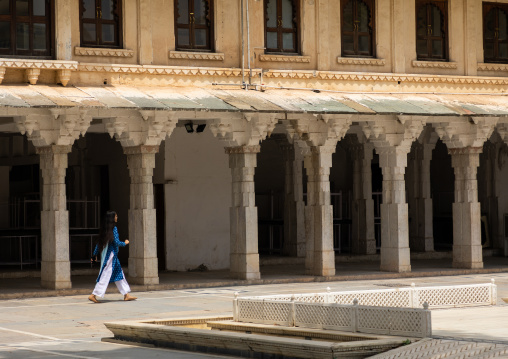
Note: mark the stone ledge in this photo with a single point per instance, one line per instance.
(360, 61)
(92, 51)
(434, 64)
(284, 58)
(187, 55)
(492, 67)
(38, 64)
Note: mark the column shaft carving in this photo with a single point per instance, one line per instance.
(55, 264)
(143, 264)
(421, 236)
(395, 256)
(320, 256)
(467, 248)
(244, 255)
(363, 238)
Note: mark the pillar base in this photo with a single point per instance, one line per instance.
(396, 260)
(143, 271)
(55, 275)
(244, 266)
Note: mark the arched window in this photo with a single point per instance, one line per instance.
(281, 26)
(25, 28)
(495, 32)
(101, 23)
(194, 25)
(432, 30)
(357, 25)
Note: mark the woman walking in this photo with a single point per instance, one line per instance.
(111, 271)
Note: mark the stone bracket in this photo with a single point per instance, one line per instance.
(249, 131)
(142, 127)
(63, 128)
(458, 134)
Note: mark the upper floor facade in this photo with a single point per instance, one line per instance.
(80, 41)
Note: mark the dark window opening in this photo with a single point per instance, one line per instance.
(432, 30)
(194, 25)
(357, 28)
(281, 26)
(26, 28)
(495, 32)
(101, 23)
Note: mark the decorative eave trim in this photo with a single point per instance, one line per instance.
(492, 67)
(38, 64)
(284, 58)
(296, 74)
(164, 70)
(434, 64)
(91, 51)
(208, 56)
(360, 61)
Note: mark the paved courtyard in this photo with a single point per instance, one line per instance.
(72, 327)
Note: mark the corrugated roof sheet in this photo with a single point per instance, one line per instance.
(237, 100)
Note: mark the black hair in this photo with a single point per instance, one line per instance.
(106, 233)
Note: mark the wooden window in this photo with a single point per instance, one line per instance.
(357, 28)
(495, 32)
(194, 25)
(432, 30)
(281, 26)
(26, 28)
(101, 23)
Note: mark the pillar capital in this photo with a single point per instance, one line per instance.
(247, 131)
(53, 149)
(136, 128)
(399, 133)
(325, 131)
(457, 133)
(46, 127)
(142, 149)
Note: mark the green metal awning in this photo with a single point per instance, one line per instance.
(238, 100)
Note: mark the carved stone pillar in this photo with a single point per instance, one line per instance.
(467, 248)
(294, 221)
(320, 256)
(465, 143)
(363, 238)
(392, 141)
(421, 236)
(395, 256)
(244, 256)
(55, 264)
(143, 268)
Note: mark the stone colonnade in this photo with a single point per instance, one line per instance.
(314, 140)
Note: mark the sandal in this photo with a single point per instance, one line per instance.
(128, 297)
(93, 299)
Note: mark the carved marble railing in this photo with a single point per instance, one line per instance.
(331, 316)
(411, 297)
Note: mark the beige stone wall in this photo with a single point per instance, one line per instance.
(149, 41)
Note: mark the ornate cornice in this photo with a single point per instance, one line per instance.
(142, 149)
(38, 64)
(208, 56)
(434, 64)
(91, 51)
(360, 61)
(53, 150)
(465, 150)
(284, 58)
(164, 70)
(492, 67)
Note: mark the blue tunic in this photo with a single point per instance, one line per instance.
(112, 247)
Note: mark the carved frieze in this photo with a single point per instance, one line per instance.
(434, 64)
(360, 61)
(284, 58)
(209, 56)
(90, 51)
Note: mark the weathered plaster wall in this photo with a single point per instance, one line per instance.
(198, 197)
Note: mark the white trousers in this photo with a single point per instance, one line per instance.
(102, 284)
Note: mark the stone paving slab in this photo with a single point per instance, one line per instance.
(442, 348)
